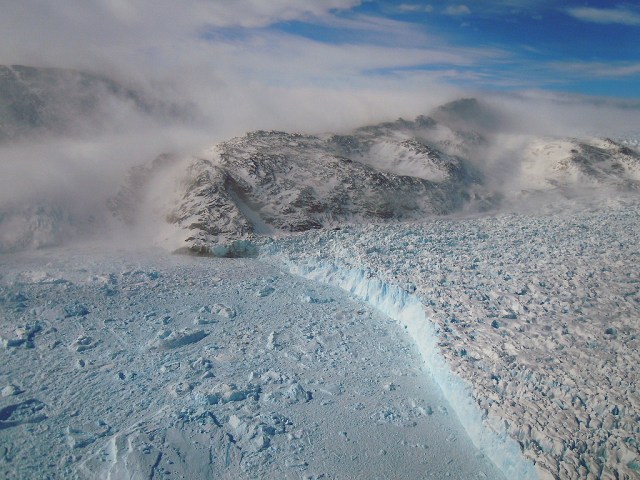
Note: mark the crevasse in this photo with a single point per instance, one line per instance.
(406, 309)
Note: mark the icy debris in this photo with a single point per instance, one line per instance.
(169, 339)
(404, 413)
(295, 462)
(271, 377)
(170, 367)
(310, 298)
(156, 398)
(201, 364)
(83, 343)
(265, 291)
(255, 433)
(16, 301)
(40, 277)
(28, 331)
(29, 411)
(23, 336)
(289, 394)
(10, 390)
(225, 393)
(331, 389)
(200, 320)
(223, 310)
(180, 389)
(518, 303)
(12, 342)
(272, 343)
(82, 437)
(399, 305)
(218, 309)
(295, 394)
(76, 309)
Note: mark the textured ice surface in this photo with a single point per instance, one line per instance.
(409, 312)
(538, 314)
(146, 365)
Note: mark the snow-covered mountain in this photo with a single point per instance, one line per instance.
(33, 226)
(588, 163)
(270, 182)
(456, 160)
(275, 181)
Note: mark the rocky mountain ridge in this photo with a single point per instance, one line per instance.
(272, 182)
(456, 160)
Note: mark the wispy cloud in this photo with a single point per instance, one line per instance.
(369, 29)
(620, 15)
(457, 10)
(246, 70)
(598, 69)
(412, 7)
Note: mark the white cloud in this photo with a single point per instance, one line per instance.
(598, 69)
(556, 114)
(155, 39)
(623, 16)
(382, 31)
(223, 13)
(411, 7)
(457, 10)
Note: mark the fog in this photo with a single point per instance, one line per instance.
(210, 70)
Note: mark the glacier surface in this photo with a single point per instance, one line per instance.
(536, 314)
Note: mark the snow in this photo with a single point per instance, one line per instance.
(141, 364)
(494, 346)
(407, 158)
(535, 314)
(407, 310)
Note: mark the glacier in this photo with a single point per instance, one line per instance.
(515, 304)
(143, 364)
(399, 305)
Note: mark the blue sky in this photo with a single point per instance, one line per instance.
(580, 46)
(587, 47)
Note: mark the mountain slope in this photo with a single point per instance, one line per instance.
(269, 182)
(458, 160)
(277, 182)
(580, 163)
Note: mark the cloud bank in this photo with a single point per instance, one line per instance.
(620, 15)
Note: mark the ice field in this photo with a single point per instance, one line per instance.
(537, 314)
(151, 365)
(470, 348)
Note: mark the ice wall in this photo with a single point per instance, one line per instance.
(406, 309)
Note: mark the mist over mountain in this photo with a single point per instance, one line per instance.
(271, 182)
(80, 148)
(38, 101)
